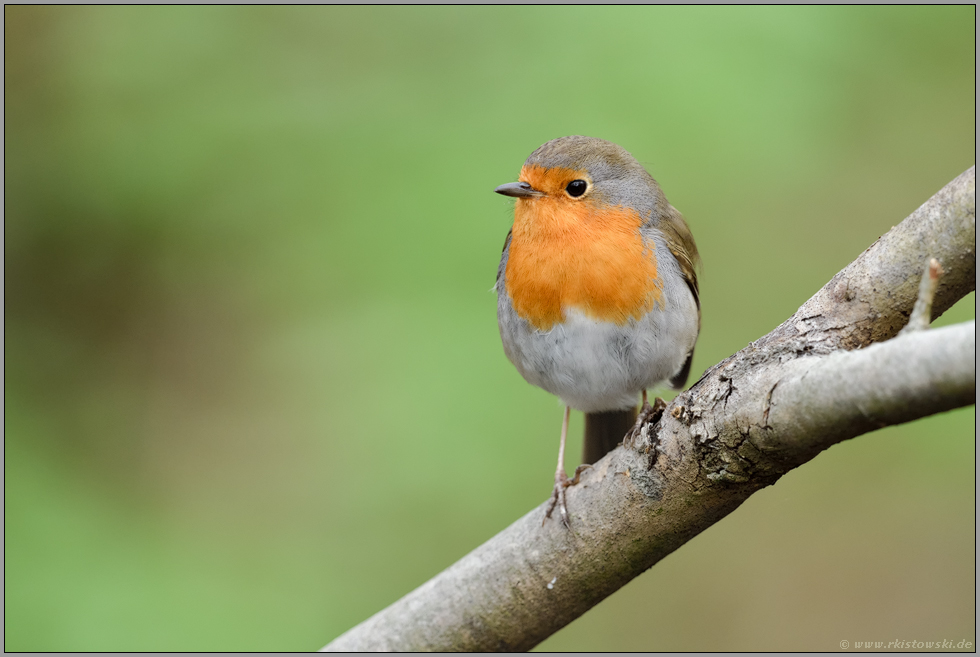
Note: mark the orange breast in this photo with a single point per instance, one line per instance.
(573, 254)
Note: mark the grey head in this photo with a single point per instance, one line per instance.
(616, 177)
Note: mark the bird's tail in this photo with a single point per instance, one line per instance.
(605, 430)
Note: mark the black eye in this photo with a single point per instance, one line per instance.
(576, 188)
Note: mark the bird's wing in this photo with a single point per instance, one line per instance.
(681, 244)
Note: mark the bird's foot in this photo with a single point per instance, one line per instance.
(558, 494)
(647, 416)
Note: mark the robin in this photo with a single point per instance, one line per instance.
(597, 294)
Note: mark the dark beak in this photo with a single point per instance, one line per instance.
(518, 190)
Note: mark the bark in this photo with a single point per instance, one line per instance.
(814, 381)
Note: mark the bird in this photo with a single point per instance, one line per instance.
(597, 290)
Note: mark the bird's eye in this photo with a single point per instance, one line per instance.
(576, 188)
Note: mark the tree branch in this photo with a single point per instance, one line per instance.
(759, 413)
(821, 401)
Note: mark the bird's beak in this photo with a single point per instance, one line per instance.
(518, 190)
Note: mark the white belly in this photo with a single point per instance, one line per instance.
(600, 366)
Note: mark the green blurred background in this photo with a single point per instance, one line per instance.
(254, 390)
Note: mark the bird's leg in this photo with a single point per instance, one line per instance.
(647, 413)
(561, 479)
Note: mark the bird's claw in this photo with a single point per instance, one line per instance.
(648, 415)
(558, 494)
(578, 474)
(558, 499)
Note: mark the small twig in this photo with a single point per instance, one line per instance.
(921, 315)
